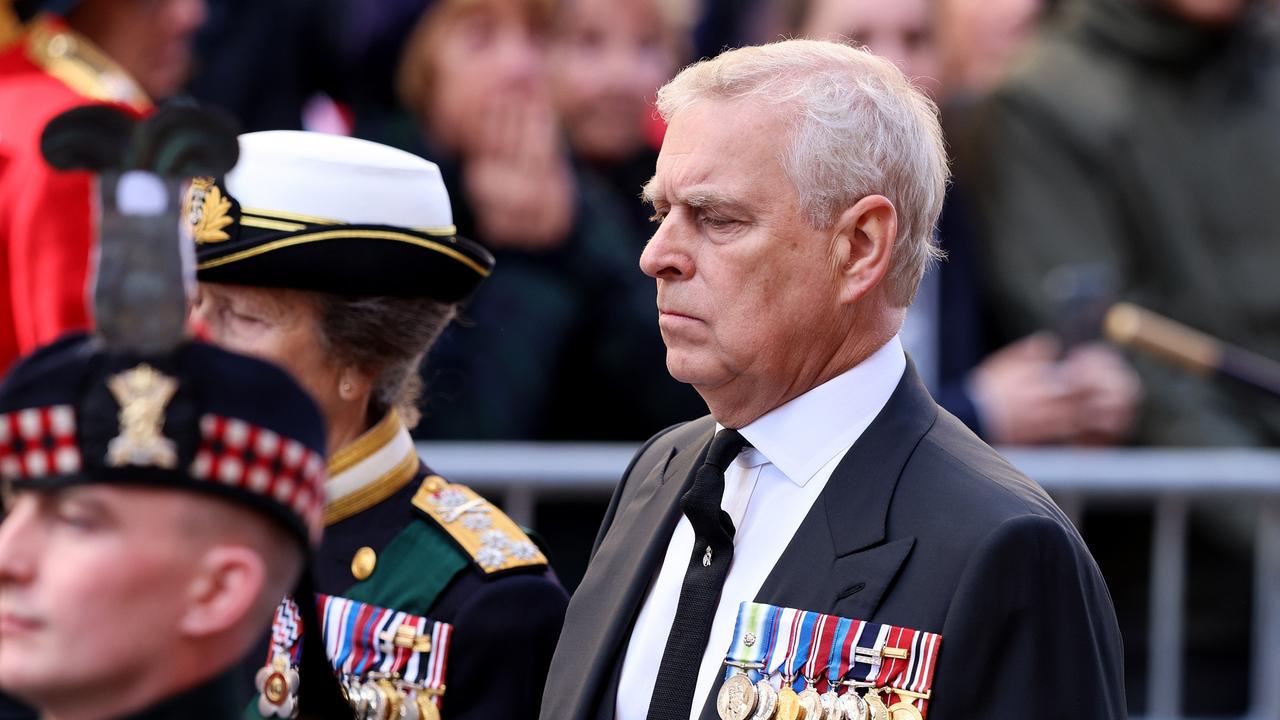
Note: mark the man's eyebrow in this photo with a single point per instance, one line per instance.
(696, 198)
(707, 197)
(649, 192)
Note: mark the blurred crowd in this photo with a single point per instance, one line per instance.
(1102, 150)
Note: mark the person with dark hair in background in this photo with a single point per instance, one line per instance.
(338, 258)
(130, 52)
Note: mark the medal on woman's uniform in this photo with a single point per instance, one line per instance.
(426, 703)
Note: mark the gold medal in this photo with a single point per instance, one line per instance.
(811, 704)
(392, 696)
(737, 697)
(766, 701)
(904, 711)
(788, 704)
(875, 705)
(427, 709)
(276, 689)
(853, 706)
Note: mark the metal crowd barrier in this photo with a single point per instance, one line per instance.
(519, 475)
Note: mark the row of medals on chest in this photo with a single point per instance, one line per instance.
(380, 696)
(741, 699)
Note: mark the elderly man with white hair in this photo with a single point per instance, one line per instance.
(828, 543)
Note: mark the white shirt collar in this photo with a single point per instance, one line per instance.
(804, 434)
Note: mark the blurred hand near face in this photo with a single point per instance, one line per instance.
(516, 176)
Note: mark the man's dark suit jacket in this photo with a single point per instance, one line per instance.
(921, 525)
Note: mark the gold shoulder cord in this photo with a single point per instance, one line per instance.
(84, 68)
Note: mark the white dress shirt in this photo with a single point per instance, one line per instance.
(768, 492)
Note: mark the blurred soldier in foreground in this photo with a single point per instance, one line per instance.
(161, 494)
(126, 52)
(338, 259)
(158, 507)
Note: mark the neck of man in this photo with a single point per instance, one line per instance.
(746, 398)
(172, 674)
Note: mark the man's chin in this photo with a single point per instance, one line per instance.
(693, 371)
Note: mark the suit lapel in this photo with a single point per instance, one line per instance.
(624, 566)
(839, 561)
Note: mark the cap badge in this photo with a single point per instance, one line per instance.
(142, 393)
(208, 212)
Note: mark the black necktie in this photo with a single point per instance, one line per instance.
(703, 581)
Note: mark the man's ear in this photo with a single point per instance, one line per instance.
(224, 591)
(864, 239)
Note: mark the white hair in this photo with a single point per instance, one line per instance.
(859, 128)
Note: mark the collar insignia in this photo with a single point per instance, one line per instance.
(142, 393)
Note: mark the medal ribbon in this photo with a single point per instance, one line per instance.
(789, 640)
(824, 635)
(784, 633)
(798, 654)
(864, 652)
(917, 678)
(360, 638)
(837, 664)
(437, 659)
(755, 623)
(892, 670)
(286, 632)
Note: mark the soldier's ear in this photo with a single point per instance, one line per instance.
(224, 590)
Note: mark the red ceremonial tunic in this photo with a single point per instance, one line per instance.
(47, 218)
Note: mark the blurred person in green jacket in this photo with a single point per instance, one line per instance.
(1140, 136)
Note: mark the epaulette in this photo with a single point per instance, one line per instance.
(75, 61)
(492, 540)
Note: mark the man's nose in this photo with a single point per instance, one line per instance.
(666, 256)
(16, 539)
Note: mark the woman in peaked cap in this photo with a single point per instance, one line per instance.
(338, 259)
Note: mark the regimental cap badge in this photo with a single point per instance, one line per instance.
(207, 211)
(143, 393)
